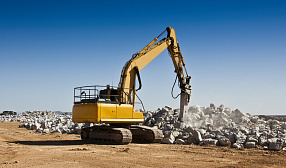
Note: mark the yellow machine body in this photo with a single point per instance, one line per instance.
(105, 113)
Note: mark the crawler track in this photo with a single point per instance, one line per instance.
(121, 135)
(107, 135)
(144, 134)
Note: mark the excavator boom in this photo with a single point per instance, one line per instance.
(145, 56)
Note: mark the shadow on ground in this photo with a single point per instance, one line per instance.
(54, 143)
(60, 143)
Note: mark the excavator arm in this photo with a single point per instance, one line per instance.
(139, 60)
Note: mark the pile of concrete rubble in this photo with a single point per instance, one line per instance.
(217, 126)
(201, 126)
(45, 122)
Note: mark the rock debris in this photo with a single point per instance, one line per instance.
(211, 125)
(219, 126)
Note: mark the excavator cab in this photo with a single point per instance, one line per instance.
(109, 93)
(93, 94)
(100, 104)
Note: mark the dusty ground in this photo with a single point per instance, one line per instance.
(24, 148)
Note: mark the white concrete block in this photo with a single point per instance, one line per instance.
(249, 145)
(275, 144)
(223, 141)
(210, 142)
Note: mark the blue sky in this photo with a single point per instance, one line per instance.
(234, 51)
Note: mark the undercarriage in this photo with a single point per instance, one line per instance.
(116, 134)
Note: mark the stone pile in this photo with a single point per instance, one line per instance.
(220, 126)
(211, 125)
(45, 122)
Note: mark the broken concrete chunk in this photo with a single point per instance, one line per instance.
(46, 131)
(232, 138)
(251, 139)
(197, 136)
(168, 138)
(35, 126)
(180, 141)
(210, 142)
(213, 107)
(275, 144)
(176, 133)
(236, 145)
(223, 141)
(262, 141)
(254, 119)
(249, 145)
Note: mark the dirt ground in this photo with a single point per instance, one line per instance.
(24, 148)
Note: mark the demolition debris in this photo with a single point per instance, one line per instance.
(220, 126)
(211, 125)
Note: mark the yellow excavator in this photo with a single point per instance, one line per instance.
(112, 109)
